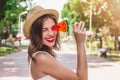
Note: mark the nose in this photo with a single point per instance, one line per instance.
(51, 32)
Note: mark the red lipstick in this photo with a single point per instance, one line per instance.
(50, 40)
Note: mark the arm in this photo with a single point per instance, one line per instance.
(80, 34)
(81, 62)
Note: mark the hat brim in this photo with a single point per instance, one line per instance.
(28, 23)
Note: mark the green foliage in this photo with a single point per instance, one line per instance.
(74, 10)
(9, 16)
(2, 7)
(11, 11)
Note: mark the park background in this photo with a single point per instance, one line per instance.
(101, 17)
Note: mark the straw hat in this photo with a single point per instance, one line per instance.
(33, 15)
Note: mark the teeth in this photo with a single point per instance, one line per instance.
(50, 39)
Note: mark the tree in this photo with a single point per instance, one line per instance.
(10, 9)
(104, 15)
(10, 12)
(102, 18)
(114, 7)
(76, 10)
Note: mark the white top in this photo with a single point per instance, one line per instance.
(46, 77)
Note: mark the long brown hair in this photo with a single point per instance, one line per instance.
(36, 37)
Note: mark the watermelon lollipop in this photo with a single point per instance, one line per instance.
(62, 26)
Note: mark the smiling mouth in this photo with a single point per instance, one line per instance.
(50, 40)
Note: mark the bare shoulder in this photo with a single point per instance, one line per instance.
(44, 58)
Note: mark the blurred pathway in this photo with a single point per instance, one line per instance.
(14, 66)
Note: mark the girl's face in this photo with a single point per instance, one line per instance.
(49, 35)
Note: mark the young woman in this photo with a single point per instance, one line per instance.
(44, 39)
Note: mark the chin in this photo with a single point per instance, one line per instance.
(50, 45)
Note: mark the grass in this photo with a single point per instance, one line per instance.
(6, 50)
(113, 56)
(23, 47)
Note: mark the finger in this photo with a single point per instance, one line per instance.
(81, 25)
(76, 25)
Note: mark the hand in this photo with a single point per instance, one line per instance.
(79, 32)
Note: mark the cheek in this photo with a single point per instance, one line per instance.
(55, 33)
(43, 36)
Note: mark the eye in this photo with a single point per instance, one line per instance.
(44, 29)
